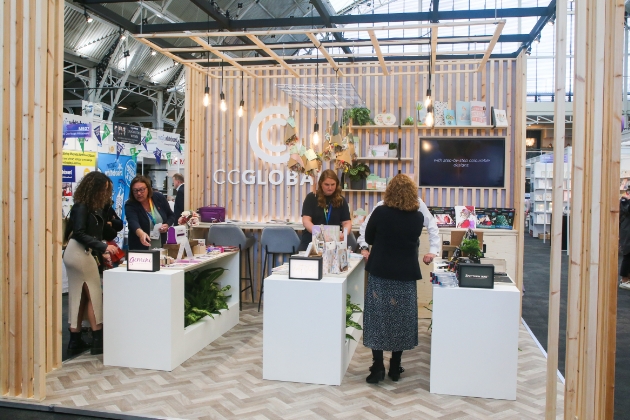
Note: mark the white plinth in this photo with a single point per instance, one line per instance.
(474, 343)
(304, 327)
(143, 317)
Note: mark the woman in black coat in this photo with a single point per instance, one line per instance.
(624, 239)
(391, 308)
(148, 215)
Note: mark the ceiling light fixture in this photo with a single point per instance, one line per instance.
(315, 137)
(126, 53)
(242, 104)
(537, 39)
(528, 51)
(206, 92)
(428, 103)
(153, 52)
(222, 105)
(122, 107)
(88, 18)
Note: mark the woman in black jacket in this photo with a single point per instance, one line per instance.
(83, 257)
(391, 308)
(148, 215)
(624, 239)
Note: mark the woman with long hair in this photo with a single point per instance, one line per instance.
(324, 207)
(83, 258)
(148, 215)
(391, 309)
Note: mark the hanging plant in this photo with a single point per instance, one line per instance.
(352, 308)
(204, 295)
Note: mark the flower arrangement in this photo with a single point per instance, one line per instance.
(189, 217)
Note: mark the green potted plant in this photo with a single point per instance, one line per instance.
(393, 150)
(471, 248)
(357, 173)
(408, 121)
(359, 116)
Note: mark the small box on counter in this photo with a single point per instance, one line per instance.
(476, 275)
(305, 268)
(148, 261)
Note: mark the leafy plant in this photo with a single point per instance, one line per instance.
(408, 121)
(358, 171)
(470, 247)
(352, 308)
(393, 146)
(203, 294)
(360, 116)
(430, 327)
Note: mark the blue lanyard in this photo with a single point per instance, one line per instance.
(327, 212)
(150, 213)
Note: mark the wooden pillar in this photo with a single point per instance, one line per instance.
(31, 76)
(553, 331)
(520, 126)
(592, 297)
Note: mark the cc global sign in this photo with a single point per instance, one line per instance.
(266, 151)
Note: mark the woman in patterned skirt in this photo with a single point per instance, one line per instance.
(391, 309)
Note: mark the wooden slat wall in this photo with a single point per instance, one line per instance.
(30, 131)
(592, 295)
(225, 146)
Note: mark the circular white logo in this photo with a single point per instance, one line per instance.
(255, 130)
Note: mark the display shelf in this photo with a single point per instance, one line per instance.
(437, 127)
(384, 158)
(379, 127)
(379, 191)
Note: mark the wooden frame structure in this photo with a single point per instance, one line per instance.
(285, 62)
(31, 74)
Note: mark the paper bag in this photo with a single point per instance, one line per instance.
(345, 156)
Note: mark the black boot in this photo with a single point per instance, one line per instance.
(378, 368)
(76, 345)
(394, 366)
(97, 342)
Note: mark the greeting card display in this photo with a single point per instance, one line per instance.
(495, 218)
(444, 216)
(478, 113)
(438, 109)
(449, 117)
(465, 217)
(463, 113)
(499, 118)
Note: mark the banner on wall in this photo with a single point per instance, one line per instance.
(76, 127)
(75, 165)
(127, 133)
(121, 170)
(92, 109)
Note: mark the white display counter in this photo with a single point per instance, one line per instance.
(143, 316)
(474, 343)
(304, 326)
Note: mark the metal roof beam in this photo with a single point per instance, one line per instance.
(435, 18)
(323, 13)
(538, 27)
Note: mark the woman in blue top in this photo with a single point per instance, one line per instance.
(325, 207)
(145, 210)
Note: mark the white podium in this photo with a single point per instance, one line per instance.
(143, 316)
(474, 343)
(304, 326)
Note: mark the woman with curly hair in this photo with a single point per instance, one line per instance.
(324, 207)
(83, 258)
(391, 308)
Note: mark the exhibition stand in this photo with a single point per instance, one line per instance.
(304, 326)
(144, 315)
(474, 342)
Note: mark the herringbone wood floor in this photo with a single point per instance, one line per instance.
(224, 381)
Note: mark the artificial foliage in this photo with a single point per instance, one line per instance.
(203, 294)
(351, 308)
(408, 121)
(393, 146)
(359, 116)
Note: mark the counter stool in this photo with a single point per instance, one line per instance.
(276, 240)
(230, 235)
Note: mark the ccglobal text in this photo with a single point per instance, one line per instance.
(251, 177)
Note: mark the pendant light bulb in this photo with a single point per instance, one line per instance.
(315, 138)
(206, 97)
(429, 119)
(427, 102)
(240, 108)
(223, 105)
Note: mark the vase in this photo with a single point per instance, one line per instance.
(357, 185)
(392, 153)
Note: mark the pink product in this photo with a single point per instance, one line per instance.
(212, 214)
(215, 248)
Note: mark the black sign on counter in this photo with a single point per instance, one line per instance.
(127, 133)
(476, 275)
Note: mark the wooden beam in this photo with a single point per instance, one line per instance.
(219, 54)
(493, 42)
(553, 330)
(377, 51)
(434, 42)
(273, 55)
(173, 56)
(325, 53)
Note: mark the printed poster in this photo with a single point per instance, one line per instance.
(465, 217)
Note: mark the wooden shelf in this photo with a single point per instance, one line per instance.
(369, 191)
(422, 127)
(379, 127)
(384, 158)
